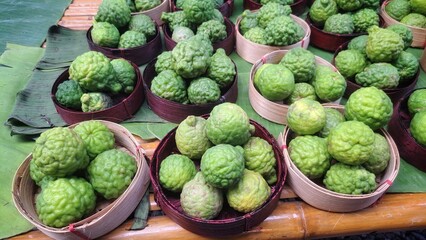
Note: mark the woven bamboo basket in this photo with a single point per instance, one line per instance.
(251, 52)
(399, 129)
(395, 94)
(316, 195)
(155, 13)
(108, 215)
(124, 105)
(423, 60)
(419, 34)
(229, 221)
(273, 111)
(227, 8)
(297, 8)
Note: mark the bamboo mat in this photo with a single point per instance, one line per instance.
(292, 219)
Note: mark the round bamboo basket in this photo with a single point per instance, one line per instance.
(155, 13)
(108, 214)
(273, 111)
(419, 34)
(229, 221)
(251, 52)
(423, 60)
(316, 195)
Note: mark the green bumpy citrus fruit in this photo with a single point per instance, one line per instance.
(306, 116)
(164, 62)
(321, 10)
(301, 63)
(64, 201)
(222, 165)
(332, 118)
(356, 180)
(131, 39)
(404, 32)
(380, 75)
(383, 45)
(365, 18)
(418, 127)
(96, 135)
(169, 85)
(417, 101)
(105, 34)
(301, 90)
(126, 74)
(69, 93)
(275, 82)
(397, 9)
(310, 155)
(407, 65)
(175, 171)
(259, 157)
(358, 43)
(191, 138)
(369, 105)
(379, 158)
(414, 20)
(228, 124)
(329, 85)
(350, 62)
(37, 175)
(59, 152)
(203, 90)
(249, 193)
(418, 6)
(351, 142)
(111, 172)
(200, 199)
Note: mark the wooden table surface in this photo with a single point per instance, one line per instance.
(292, 219)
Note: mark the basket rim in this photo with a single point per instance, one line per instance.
(142, 168)
(161, 6)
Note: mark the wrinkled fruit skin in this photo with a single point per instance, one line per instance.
(259, 157)
(275, 82)
(270, 11)
(69, 93)
(222, 165)
(126, 74)
(407, 65)
(380, 75)
(350, 62)
(191, 138)
(418, 6)
(379, 158)
(203, 90)
(418, 127)
(169, 85)
(144, 24)
(417, 101)
(248, 21)
(175, 171)
(215, 30)
(174, 19)
(365, 18)
(131, 39)
(332, 119)
(201, 200)
(306, 116)
(329, 85)
(64, 201)
(358, 43)
(383, 45)
(351, 142)
(301, 90)
(414, 20)
(349, 5)
(181, 33)
(321, 10)
(164, 62)
(249, 193)
(198, 11)
(221, 69)
(143, 5)
(59, 152)
(339, 23)
(404, 32)
(95, 101)
(369, 105)
(301, 63)
(228, 124)
(397, 9)
(38, 176)
(96, 136)
(283, 31)
(342, 178)
(111, 172)
(256, 35)
(116, 12)
(105, 34)
(310, 155)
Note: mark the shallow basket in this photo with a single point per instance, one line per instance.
(273, 111)
(423, 60)
(124, 105)
(419, 34)
(399, 128)
(297, 8)
(229, 221)
(330, 41)
(394, 93)
(227, 8)
(227, 44)
(316, 195)
(108, 215)
(138, 55)
(176, 112)
(155, 13)
(251, 52)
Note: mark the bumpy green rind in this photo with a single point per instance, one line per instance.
(369, 105)
(259, 157)
(275, 82)
(415, 20)
(339, 23)
(350, 62)
(201, 200)
(321, 10)
(105, 34)
(125, 73)
(380, 75)
(332, 118)
(349, 5)
(365, 18)
(249, 193)
(111, 172)
(306, 116)
(417, 101)
(96, 136)
(64, 201)
(116, 12)
(283, 31)
(270, 11)
(379, 158)
(198, 11)
(203, 90)
(181, 33)
(383, 45)
(329, 85)
(221, 69)
(175, 171)
(256, 35)
(351, 142)
(131, 39)
(222, 165)
(310, 155)
(418, 127)
(59, 152)
(69, 93)
(397, 9)
(358, 43)
(404, 32)
(407, 65)
(95, 101)
(191, 138)
(164, 62)
(143, 5)
(144, 24)
(356, 180)
(248, 21)
(174, 19)
(215, 30)
(301, 90)
(301, 63)
(169, 85)
(418, 6)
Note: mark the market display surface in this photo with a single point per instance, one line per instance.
(238, 106)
